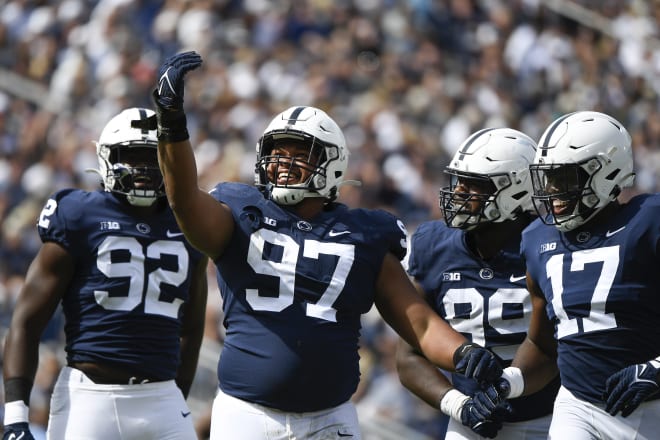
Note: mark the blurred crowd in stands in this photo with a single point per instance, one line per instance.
(407, 80)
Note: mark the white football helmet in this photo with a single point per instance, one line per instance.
(496, 159)
(326, 141)
(142, 185)
(583, 162)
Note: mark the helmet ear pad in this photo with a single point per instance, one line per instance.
(127, 152)
(327, 155)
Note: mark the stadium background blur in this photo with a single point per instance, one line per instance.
(407, 80)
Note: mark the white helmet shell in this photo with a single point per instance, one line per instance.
(500, 156)
(125, 131)
(593, 144)
(325, 139)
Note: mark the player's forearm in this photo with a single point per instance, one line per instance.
(189, 357)
(537, 367)
(421, 377)
(21, 357)
(177, 164)
(440, 342)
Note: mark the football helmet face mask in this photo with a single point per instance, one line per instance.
(322, 167)
(128, 158)
(489, 179)
(583, 162)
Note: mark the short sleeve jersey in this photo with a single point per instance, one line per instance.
(293, 293)
(486, 301)
(132, 276)
(601, 283)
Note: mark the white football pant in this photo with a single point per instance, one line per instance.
(577, 419)
(83, 410)
(535, 429)
(234, 419)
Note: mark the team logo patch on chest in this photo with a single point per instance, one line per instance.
(143, 228)
(304, 226)
(486, 273)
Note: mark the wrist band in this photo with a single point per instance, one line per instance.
(452, 403)
(514, 376)
(172, 124)
(16, 412)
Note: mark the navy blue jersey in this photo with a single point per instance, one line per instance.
(132, 275)
(602, 285)
(293, 292)
(486, 301)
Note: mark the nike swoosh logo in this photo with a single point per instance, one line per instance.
(336, 233)
(344, 434)
(185, 414)
(513, 279)
(162, 80)
(171, 234)
(13, 436)
(608, 234)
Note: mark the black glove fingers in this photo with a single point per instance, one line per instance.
(614, 399)
(483, 409)
(632, 402)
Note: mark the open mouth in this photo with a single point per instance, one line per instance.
(289, 178)
(562, 207)
(141, 181)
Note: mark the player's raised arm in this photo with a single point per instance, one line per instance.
(207, 224)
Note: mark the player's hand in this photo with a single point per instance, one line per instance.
(478, 363)
(480, 415)
(628, 388)
(16, 431)
(169, 94)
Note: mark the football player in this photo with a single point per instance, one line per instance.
(594, 281)
(133, 292)
(469, 269)
(296, 271)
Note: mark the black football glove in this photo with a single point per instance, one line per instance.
(476, 362)
(172, 124)
(485, 411)
(626, 389)
(169, 94)
(17, 431)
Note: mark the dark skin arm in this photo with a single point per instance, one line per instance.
(46, 281)
(537, 355)
(419, 375)
(412, 318)
(192, 327)
(207, 224)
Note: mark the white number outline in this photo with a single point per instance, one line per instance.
(48, 210)
(285, 270)
(495, 319)
(135, 270)
(597, 318)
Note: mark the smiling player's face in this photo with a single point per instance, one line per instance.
(293, 166)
